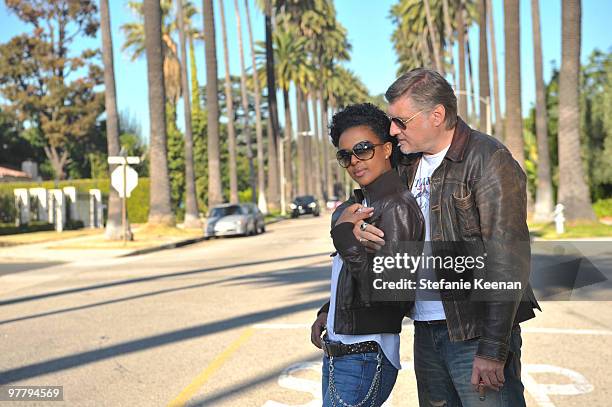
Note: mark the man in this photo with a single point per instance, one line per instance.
(470, 189)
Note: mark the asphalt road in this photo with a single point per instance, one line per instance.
(226, 323)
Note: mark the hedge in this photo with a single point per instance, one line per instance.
(603, 208)
(138, 203)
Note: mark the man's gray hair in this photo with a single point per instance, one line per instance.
(426, 88)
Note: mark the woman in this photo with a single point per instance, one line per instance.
(361, 344)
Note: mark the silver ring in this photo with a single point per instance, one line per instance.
(361, 240)
(363, 226)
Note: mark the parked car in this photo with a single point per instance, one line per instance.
(243, 219)
(305, 204)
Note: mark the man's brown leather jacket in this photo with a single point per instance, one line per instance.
(478, 195)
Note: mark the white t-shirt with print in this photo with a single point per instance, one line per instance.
(429, 310)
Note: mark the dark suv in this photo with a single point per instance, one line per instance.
(302, 205)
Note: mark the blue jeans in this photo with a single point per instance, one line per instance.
(353, 375)
(444, 370)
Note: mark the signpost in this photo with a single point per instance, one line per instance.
(124, 179)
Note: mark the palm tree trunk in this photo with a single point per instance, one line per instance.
(316, 144)
(113, 222)
(261, 180)
(574, 191)
(288, 158)
(308, 146)
(273, 165)
(499, 123)
(448, 29)
(462, 82)
(425, 50)
(514, 119)
(300, 142)
(472, 95)
(160, 207)
(231, 131)
(544, 192)
(245, 106)
(434, 38)
(483, 66)
(215, 193)
(329, 185)
(192, 219)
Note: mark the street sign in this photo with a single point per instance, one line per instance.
(131, 180)
(118, 159)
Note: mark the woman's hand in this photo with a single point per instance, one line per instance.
(317, 328)
(355, 214)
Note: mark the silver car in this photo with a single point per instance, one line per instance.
(234, 219)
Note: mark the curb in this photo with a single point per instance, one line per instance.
(181, 243)
(166, 246)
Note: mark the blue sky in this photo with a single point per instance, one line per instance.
(369, 31)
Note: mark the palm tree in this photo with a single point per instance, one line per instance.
(291, 64)
(192, 219)
(472, 95)
(273, 135)
(544, 193)
(483, 65)
(261, 181)
(215, 193)
(514, 120)
(448, 32)
(434, 38)
(135, 42)
(231, 132)
(113, 223)
(160, 209)
(499, 127)
(462, 82)
(574, 192)
(245, 105)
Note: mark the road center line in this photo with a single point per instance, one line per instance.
(188, 392)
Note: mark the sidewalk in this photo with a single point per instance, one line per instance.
(92, 247)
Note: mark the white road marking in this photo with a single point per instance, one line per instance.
(539, 391)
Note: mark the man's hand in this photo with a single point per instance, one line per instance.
(490, 371)
(317, 329)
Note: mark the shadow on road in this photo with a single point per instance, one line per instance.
(199, 331)
(151, 278)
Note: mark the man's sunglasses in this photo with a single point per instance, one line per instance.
(364, 150)
(403, 123)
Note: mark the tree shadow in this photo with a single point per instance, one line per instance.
(150, 278)
(198, 331)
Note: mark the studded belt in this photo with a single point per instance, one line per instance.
(336, 349)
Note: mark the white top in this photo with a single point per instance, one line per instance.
(430, 310)
(389, 343)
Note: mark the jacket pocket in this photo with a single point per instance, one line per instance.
(468, 218)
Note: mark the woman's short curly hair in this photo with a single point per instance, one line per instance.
(363, 114)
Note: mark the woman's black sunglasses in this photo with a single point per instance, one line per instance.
(364, 150)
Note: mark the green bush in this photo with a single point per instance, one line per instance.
(7, 209)
(603, 208)
(11, 229)
(138, 203)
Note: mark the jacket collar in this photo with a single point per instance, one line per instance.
(456, 151)
(385, 184)
(461, 136)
